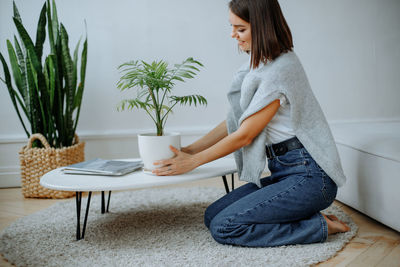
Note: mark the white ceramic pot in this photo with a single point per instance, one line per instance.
(153, 148)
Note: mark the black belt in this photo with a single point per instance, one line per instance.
(283, 147)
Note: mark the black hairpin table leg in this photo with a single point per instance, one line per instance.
(78, 197)
(108, 201)
(225, 184)
(103, 202)
(103, 209)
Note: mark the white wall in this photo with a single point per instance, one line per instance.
(349, 49)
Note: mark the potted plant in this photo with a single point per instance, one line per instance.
(48, 93)
(154, 83)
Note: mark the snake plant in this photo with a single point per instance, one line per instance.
(154, 83)
(47, 91)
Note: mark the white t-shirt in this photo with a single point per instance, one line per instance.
(280, 127)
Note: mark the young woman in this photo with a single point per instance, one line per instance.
(273, 115)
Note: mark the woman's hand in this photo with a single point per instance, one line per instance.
(181, 163)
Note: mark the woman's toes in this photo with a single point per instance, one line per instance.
(341, 227)
(332, 217)
(336, 219)
(335, 225)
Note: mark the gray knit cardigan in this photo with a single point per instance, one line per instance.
(254, 89)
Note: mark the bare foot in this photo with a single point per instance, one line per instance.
(335, 225)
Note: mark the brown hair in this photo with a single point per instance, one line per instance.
(270, 34)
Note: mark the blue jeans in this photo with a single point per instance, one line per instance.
(284, 211)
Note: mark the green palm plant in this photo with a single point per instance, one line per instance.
(47, 92)
(154, 83)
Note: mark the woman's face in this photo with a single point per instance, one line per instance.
(241, 31)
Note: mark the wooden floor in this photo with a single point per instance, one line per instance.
(374, 245)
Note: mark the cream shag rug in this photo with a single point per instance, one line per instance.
(150, 227)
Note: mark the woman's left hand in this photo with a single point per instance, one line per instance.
(181, 163)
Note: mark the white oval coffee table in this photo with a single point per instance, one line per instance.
(57, 180)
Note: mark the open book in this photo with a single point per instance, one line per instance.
(103, 167)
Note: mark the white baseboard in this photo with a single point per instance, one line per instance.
(10, 176)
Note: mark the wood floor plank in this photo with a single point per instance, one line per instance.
(375, 253)
(338, 203)
(347, 255)
(5, 222)
(24, 208)
(354, 248)
(348, 210)
(369, 227)
(392, 259)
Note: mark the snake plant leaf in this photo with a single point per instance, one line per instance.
(21, 104)
(75, 59)
(78, 97)
(11, 91)
(15, 67)
(55, 20)
(39, 103)
(33, 101)
(35, 61)
(83, 66)
(46, 73)
(41, 32)
(50, 87)
(16, 12)
(75, 70)
(67, 63)
(27, 41)
(50, 28)
(17, 75)
(52, 80)
(20, 53)
(70, 79)
(21, 60)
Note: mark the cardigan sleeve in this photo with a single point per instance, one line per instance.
(260, 101)
(283, 100)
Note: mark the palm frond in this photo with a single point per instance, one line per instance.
(189, 99)
(154, 83)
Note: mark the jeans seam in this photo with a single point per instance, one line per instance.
(306, 165)
(302, 162)
(324, 228)
(323, 190)
(231, 218)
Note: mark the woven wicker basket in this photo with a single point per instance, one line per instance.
(35, 162)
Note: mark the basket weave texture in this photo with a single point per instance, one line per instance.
(35, 162)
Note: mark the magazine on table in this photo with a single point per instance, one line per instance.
(99, 166)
